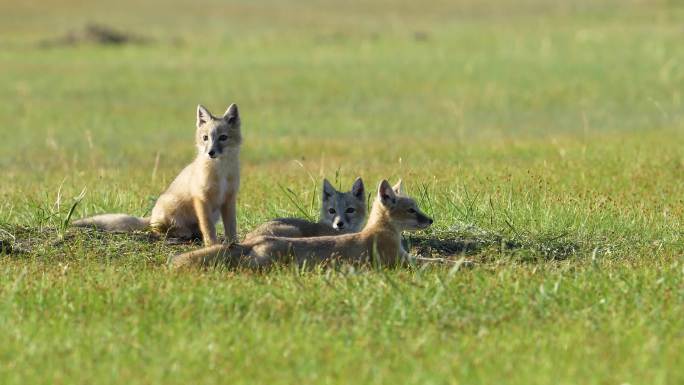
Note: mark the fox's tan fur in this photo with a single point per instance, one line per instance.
(205, 190)
(380, 239)
(341, 213)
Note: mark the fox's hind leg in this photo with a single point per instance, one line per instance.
(175, 233)
(182, 235)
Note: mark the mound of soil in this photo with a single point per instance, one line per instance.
(97, 34)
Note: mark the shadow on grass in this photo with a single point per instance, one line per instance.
(21, 240)
(475, 244)
(487, 246)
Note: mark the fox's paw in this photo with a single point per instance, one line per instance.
(172, 262)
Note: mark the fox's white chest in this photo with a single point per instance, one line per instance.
(228, 175)
(218, 179)
(227, 183)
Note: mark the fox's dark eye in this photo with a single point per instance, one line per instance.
(411, 210)
(350, 210)
(205, 138)
(331, 211)
(223, 137)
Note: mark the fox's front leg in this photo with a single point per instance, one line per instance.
(406, 258)
(229, 215)
(206, 225)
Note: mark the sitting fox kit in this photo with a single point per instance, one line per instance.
(205, 190)
(341, 212)
(380, 239)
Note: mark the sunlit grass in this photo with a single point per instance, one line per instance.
(545, 138)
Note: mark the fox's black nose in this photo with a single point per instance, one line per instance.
(430, 221)
(340, 225)
(212, 153)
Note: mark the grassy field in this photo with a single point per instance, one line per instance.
(544, 137)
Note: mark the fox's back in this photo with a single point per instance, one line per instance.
(293, 228)
(313, 249)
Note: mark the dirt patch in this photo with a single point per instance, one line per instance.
(463, 243)
(10, 247)
(97, 34)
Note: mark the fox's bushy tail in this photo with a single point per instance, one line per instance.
(120, 223)
(229, 255)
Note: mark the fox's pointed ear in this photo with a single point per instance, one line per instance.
(386, 195)
(203, 115)
(399, 188)
(359, 190)
(328, 190)
(232, 115)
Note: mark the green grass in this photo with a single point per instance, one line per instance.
(544, 137)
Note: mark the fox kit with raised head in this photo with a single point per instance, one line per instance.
(341, 213)
(205, 190)
(380, 239)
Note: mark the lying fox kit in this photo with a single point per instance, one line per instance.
(380, 239)
(341, 212)
(205, 190)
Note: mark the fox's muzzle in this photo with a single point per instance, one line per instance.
(214, 152)
(424, 220)
(338, 224)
